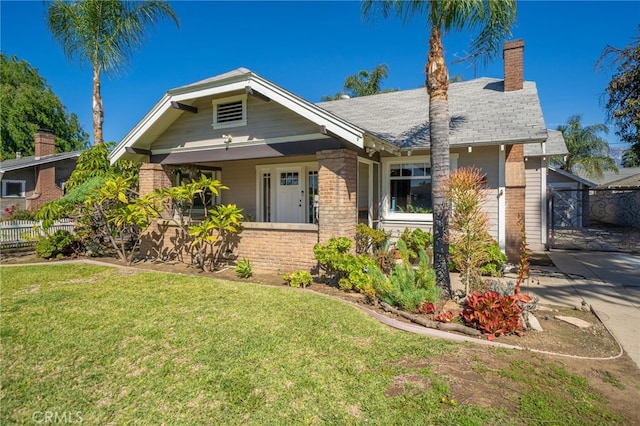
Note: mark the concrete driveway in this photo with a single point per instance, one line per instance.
(609, 282)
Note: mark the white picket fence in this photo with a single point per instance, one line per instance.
(20, 233)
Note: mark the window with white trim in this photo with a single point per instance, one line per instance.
(410, 187)
(230, 112)
(407, 187)
(13, 188)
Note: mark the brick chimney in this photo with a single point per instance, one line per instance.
(46, 189)
(512, 55)
(44, 143)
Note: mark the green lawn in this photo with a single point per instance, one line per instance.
(114, 347)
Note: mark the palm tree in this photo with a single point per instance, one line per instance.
(588, 152)
(493, 20)
(364, 83)
(104, 33)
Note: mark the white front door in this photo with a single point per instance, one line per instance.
(290, 195)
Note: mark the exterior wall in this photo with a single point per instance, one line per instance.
(486, 159)
(281, 247)
(276, 247)
(28, 175)
(534, 204)
(265, 120)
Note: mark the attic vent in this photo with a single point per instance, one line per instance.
(230, 112)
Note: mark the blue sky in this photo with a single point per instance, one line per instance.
(310, 47)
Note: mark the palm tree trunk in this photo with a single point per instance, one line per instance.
(98, 111)
(437, 87)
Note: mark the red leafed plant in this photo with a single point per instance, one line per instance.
(444, 316)
(493, 313)
(428, 308)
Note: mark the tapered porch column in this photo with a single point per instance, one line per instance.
(337, 208)
(152, 177)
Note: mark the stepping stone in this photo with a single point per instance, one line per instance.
(574, 321)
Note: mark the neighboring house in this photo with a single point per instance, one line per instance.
(625, 178)
(307, 172)
(29, 182)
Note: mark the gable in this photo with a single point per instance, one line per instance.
(166, 127)
(266, 122)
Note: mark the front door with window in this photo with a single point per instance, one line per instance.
(290, 195)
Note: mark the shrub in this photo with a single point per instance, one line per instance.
(416, 240)
(409, 289)
(368, 238)
(298, 279)
(243, 268)
(493, 267)
(60, 243)
(15, 213)
(493, 313)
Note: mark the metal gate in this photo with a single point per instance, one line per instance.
(600, 219)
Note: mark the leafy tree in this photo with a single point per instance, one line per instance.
(623, 91)
(631, 157)
(493, 20)
(28, 105)
(588, 151)
(104, 33)
(364, 83)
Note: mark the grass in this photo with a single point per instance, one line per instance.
(117, 347)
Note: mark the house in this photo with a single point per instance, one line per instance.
(29, 182)
(305, 172)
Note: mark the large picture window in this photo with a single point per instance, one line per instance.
(410, 188)
(406, 188)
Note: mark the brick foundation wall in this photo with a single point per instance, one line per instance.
(275, 247)
(337, 182)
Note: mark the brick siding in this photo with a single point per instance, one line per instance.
(337, 182)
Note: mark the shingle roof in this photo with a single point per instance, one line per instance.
(625, 176)
(554, 145)
(481, 114)
(30, 161)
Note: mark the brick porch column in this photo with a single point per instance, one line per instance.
(337, 191)
(515, 187)
(153, 176)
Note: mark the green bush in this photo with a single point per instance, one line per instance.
(408, 288)
(60, 243)
(243, 269)
(492, 268)
(298, 279)
(497, 259)
(416, 240)
(368, 239)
